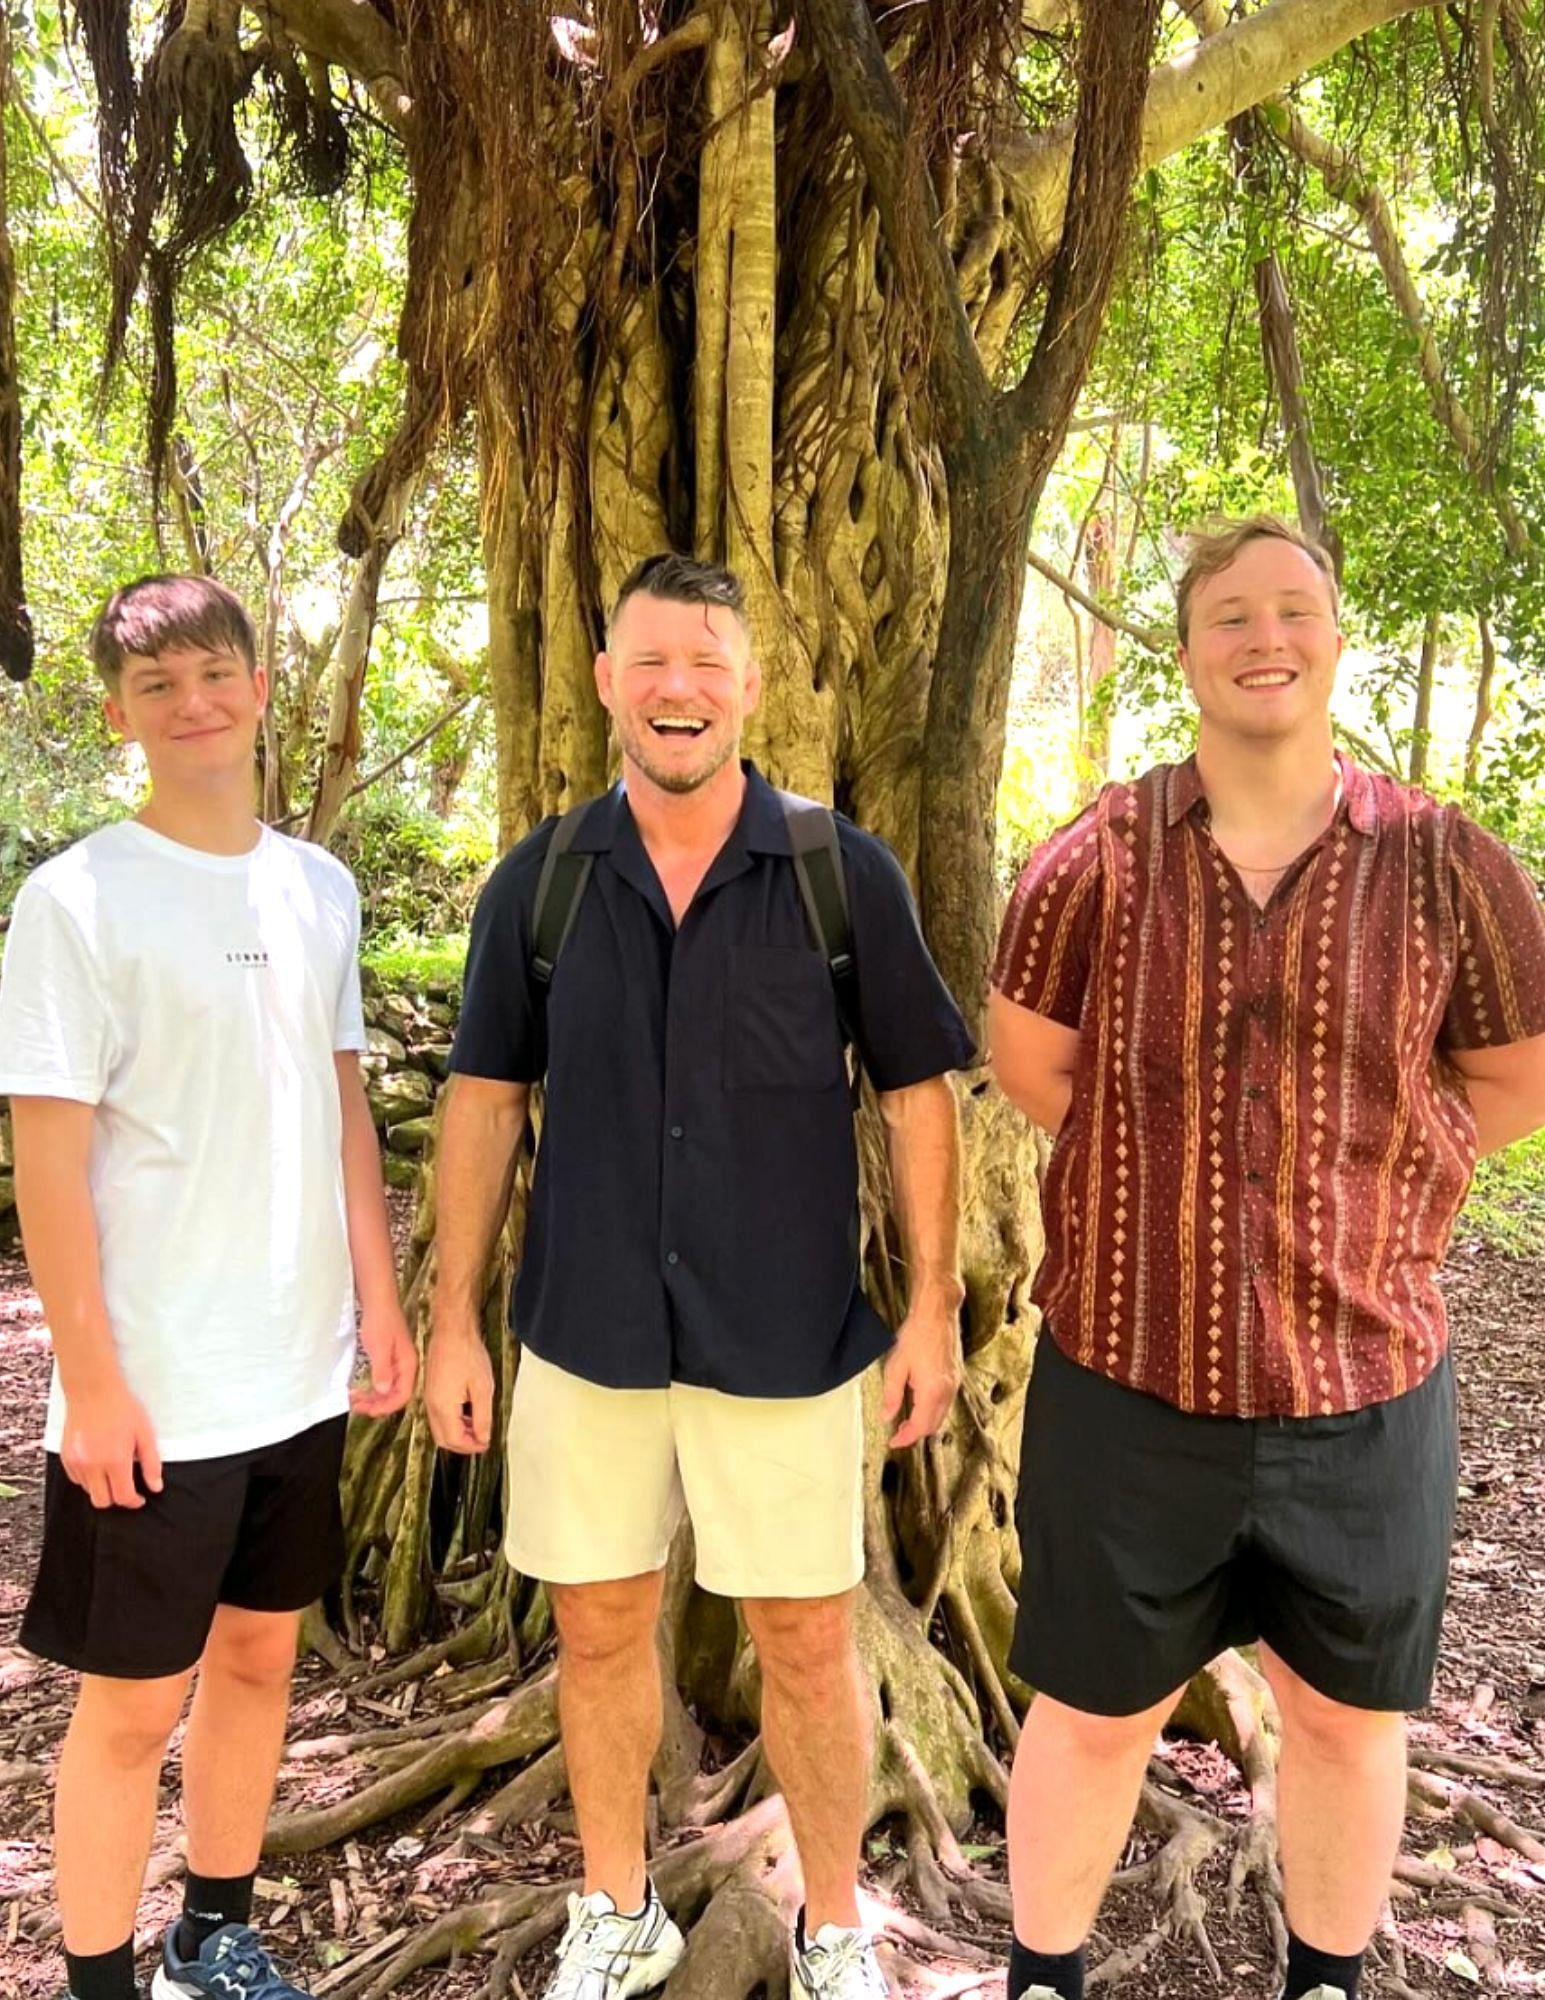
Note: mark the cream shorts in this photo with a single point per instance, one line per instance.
(598, 1481)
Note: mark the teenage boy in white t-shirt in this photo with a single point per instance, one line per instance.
(197, 1172)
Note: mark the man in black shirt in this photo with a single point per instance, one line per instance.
(691, 1323)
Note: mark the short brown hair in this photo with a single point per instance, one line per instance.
(682, 580)
(154, 614)
(1213, 548)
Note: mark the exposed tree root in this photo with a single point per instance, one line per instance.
(1442, 1792)
(507, 1733)
(1498, 1769)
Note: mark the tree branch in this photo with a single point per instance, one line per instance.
(353, 35)
(1225, 75)
(1114, 47)
(1155, 638)
(385, 770)
(1345, 177)
(844, 37)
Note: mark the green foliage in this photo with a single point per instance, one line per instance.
(1506, 1208)
(418, 876)
(289, 387)
(405, 962)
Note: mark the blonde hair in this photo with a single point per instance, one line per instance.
(1209, 550)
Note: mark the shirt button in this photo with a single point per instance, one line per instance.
(1254, 1175)
(1255, 1090)
(678, 1131)
(673, 1257)
(1255, 1267)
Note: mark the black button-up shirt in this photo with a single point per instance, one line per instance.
(694, 1215)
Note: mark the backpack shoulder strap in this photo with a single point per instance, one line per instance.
(824, 891)
(558, 890)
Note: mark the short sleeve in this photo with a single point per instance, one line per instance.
(502, 1032)
(56, 1028)
(908, 1027)
(1044, 947)
(349, 1012)
(1498, 995)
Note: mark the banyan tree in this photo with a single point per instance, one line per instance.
(809, 286)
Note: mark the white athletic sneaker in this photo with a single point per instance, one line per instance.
(607, 1956)
(1327, 1993)
(837, 1964)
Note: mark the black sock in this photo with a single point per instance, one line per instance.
(1308, 1968)
(1062, 1971)
(208, 1902)
(102, 1975)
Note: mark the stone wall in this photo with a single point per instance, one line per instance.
(407, 1060)
(408, 1056)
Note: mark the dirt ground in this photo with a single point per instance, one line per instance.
(1470, 1915)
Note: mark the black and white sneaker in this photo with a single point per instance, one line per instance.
(229, 1965)
(605, 1955)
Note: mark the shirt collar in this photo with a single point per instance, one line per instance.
(1357, 795)
(760, 829)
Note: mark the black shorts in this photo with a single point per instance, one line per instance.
(130, 1592)
(1154, 1540)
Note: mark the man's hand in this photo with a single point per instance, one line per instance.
(926, 1364)
(459, 1389)
(105, 1432)
(393, 1362)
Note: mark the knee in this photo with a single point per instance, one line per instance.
(802, 1639)
(129, 1723)
(599, 1623)
(256, 1649)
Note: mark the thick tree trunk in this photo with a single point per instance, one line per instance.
(16, 644)
(1421, 715)
(339, 763)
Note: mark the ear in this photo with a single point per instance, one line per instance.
(117, 721)
(753, 694)
(260, 687)
(1185, 667)
(603, 679)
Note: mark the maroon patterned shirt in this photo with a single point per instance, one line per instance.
(1255, 1185)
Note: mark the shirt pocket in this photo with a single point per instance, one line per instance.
(781, 1029)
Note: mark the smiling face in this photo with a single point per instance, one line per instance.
(679, 681)
(194, 711)
(1262, 644)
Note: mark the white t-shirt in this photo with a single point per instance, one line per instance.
(196, 1000)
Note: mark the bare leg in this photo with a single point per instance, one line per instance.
(230, 1754)
(1341, 1794)
(816, 1728)
(609, 1708)
(1072, 1797)
(105, 1804)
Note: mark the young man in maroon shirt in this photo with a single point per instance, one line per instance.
(1273, 1007)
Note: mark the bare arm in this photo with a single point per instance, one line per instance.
(106, 1428)
(1506, 1089)
(1033, 1059)
(922, 1138)
(383, 1332)
(478, 1137)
